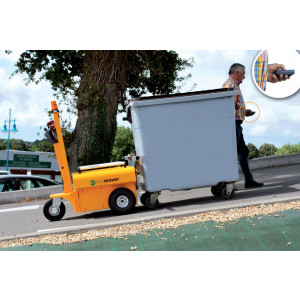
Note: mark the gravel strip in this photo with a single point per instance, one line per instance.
(220, 217)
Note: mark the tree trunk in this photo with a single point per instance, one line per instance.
(102, 88)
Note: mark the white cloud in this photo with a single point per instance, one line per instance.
(14, 82)
(13, 57)
(267, 115)
(295, 117)
(239, 56)
(2, 72)
(27, 103)
(258, 130)
(120, 120)
(190, 53)
(287, 131)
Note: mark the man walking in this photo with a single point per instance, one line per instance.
(236, 77)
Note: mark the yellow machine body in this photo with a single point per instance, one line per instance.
(94, 187)
(91, 189)
(104, 177)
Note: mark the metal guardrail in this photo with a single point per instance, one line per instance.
(274, 161)
(37, 193)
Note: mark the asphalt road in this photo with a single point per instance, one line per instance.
(24, 220)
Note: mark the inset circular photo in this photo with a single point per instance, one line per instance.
(277, 73)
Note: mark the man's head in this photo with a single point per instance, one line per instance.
(237, 72)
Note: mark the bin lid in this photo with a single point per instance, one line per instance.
(221, 90)
(207, 94)
(181, 97)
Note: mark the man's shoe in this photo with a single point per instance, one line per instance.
(253, 184)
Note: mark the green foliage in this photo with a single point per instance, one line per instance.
(41, 145)
(267, 150)
(253, 151)
(288, 149)
(123, 145)
(14, 145)
(154, 71)
(17, 144)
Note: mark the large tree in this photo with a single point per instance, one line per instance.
(98, 83)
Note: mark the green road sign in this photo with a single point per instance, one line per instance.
(26, 161)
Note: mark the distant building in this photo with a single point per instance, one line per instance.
(27, 162)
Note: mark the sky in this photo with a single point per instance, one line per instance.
(279, 121)
(278, 124)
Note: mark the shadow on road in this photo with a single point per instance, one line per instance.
(268, 190)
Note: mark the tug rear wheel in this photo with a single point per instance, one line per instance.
(122, 201)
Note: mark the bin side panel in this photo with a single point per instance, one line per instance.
(187, 144)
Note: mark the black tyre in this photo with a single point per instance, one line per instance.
(51, 214)
(216, 189)
(146, 198)
(122, 201)
(225, 195)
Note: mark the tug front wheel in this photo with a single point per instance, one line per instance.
(53, 213)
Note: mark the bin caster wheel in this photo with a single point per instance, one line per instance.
(145, 200)
(122, 201)
(216, 189)
(52, 213)
(224, 193)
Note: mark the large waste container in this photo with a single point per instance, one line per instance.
(185, 141)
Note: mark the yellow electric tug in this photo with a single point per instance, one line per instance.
(95, 187)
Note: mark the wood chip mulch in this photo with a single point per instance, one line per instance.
(220, 217)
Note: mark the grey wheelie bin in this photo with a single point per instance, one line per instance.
(185, 141)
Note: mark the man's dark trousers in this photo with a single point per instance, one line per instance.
(243, 152)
